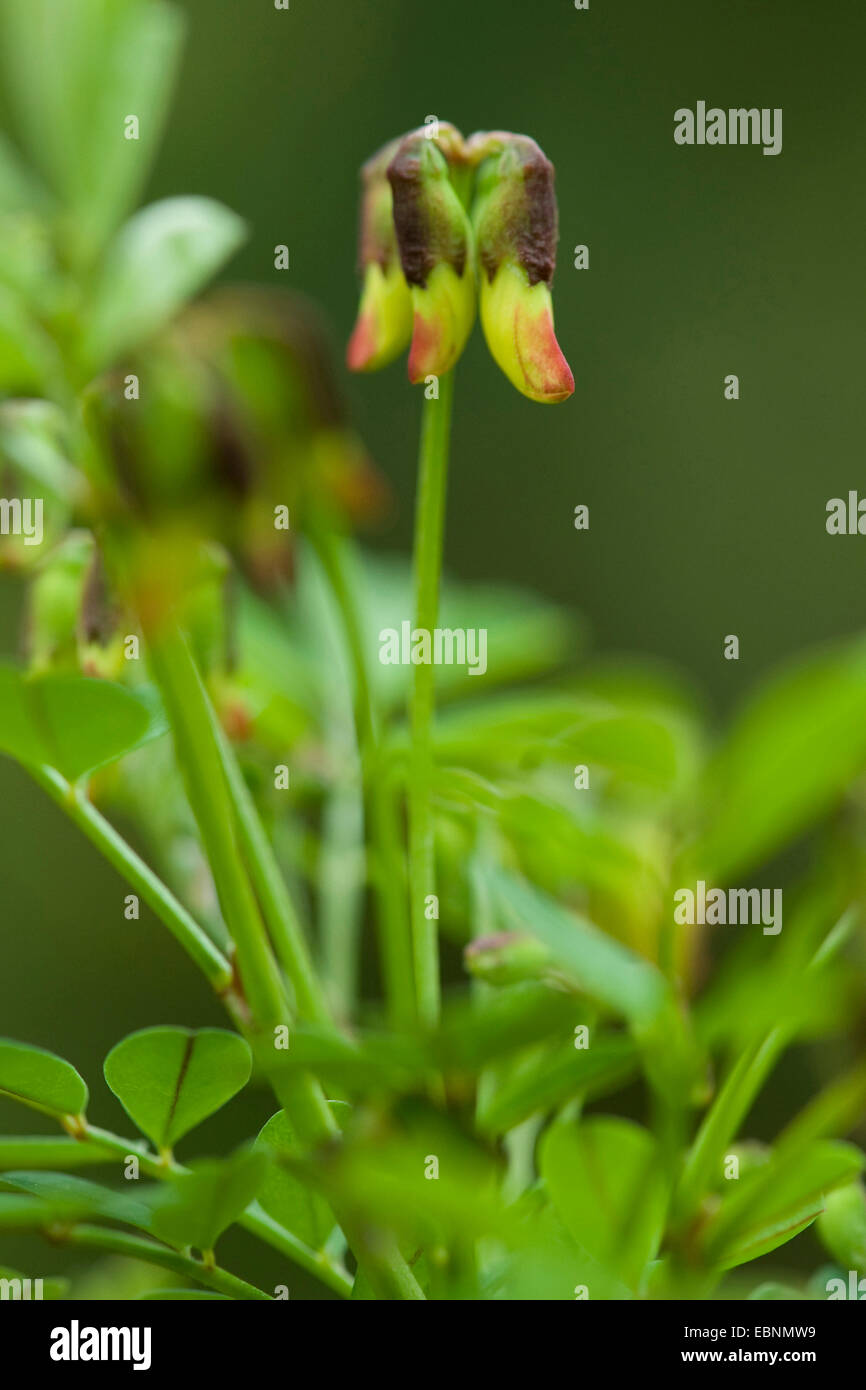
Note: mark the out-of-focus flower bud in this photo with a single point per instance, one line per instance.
(54, 604)
(384, 324)
(506, 958)
(73, 621)
(436, 251)
(100, 638)
(515, 221)
(244, 434)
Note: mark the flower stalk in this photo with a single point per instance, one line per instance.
(429, 531)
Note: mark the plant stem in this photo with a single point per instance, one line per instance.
(194, 940)
(273, 895)
(429, 531)
(103, 1143)
(385, 868)
(340, 889)
(724, 1117)
(743, 1083)
(139, 1248)
(200, 759)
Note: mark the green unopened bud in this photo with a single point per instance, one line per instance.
(436, 252)
(506, 958)
(384, 324)
(54, 604)
(842, 1225)
(515, 223)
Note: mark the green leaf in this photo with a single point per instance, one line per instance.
(500, 1022)
(598, 965)
(72, 723)
(611, 974)
(90, 1198)
(28, 358)
(33, 438)
(544, 1262)
(40, 1080)
(559, 843)
(283, 1196)
(604, 1179)
(774, 1203)
(163, 256)
(788, 759)
(385, 1171)
(170, 1079)
(525, 633)
(18, 191)
(74, 72)
(565, 728)
(196, 1207)
(555, 1077)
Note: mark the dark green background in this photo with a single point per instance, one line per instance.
(707, 517)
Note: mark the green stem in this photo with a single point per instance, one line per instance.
(724, 1118)
(273, 895)
(429, 531)
(194, 940)
(200, 758)
(743, 1083)
(340, 890)
(385, 868)
(139, 1248)
(254, 1219)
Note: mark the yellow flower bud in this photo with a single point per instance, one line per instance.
(384, 324)
(517, 318)
(515, 223)
(443, 315)
(436, 252)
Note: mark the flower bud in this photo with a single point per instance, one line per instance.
(506, 958)
(384, 324)
(54, 604)
(100, 638)
(515, 223)
(436, 252)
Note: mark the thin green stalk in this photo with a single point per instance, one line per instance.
(385, 853)
(429, 531)
(836, 1110)
(139, 1248)
(102, 1142)
(200, 758)
(742, 1085)
(194, 940)
(340, 893)
(273, 895)
(725, 1116)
